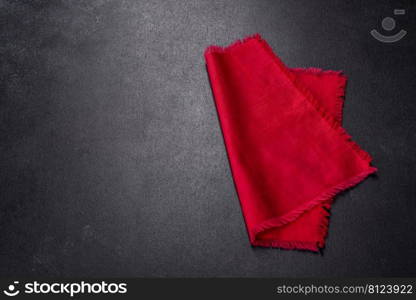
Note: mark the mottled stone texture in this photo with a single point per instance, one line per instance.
(112, 161)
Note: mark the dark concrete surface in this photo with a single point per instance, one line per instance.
(112, 161)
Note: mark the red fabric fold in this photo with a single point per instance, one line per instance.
(288, 153)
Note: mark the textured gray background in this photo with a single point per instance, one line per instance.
(112, 160)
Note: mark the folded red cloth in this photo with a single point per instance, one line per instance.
(288, 153)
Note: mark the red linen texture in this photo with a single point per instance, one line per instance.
(288, 152)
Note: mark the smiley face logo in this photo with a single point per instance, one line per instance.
(11, 289)
(389, 24)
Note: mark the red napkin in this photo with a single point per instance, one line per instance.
(288, 153)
